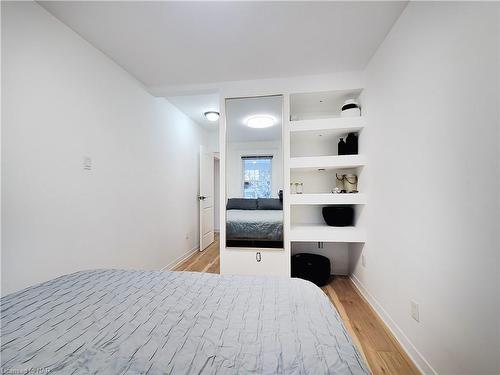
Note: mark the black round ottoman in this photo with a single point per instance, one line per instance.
(311, 267)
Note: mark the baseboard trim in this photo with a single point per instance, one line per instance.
(410, 349)
(180, 259)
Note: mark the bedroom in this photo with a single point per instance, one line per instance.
(103, 120)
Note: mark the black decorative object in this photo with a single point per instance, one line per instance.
(342, 147)
(338, 216)
(311, 267)
(349, 106)
(351, 144)
(350, 109)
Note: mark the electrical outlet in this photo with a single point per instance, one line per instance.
(415, 314)
(363, 260)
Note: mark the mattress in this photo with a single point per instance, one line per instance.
(254, 224)
(137, 322)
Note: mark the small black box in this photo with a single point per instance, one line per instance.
(311, 267)
(338, 216)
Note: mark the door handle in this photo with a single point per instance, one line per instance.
(202, 198)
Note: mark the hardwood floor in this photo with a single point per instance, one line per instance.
(382, 352)
(203, 261)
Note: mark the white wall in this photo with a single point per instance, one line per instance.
(431, 101)
(234, 168)
(63, 100)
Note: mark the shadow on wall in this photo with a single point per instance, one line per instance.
(355, 252)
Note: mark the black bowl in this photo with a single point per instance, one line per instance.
(338, 216)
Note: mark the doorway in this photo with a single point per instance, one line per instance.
(208, 197)
(216, 193)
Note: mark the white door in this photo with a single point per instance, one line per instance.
(206, 198)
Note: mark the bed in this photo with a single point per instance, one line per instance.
(144, 322)
(254, 223)
(254, 227)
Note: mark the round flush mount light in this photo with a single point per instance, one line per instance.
(212, 115)
(260, 121)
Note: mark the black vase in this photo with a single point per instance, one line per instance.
(351, 145)
(342, 147)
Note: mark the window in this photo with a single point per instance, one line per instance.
(257, 172)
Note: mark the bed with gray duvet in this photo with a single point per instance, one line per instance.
(254, 222)
(144, 322)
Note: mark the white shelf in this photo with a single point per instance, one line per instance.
(327, 162)
(315, 129)
(325, 233)
(320, 104)
(327, 198)
(326, 126)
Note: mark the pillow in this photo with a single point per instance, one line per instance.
(269, 204)
(241, 204)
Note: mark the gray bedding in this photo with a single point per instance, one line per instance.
(137, 322)
(255, 224)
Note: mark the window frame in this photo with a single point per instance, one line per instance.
(244, 157)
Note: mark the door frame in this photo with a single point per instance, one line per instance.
(202, 152)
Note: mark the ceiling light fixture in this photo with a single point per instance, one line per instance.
(212, 116)
(260, 121)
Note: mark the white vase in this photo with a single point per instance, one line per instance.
(350, 108)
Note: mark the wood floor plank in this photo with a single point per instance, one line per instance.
(332, 295)
(394, 363)
(201, 261)
(383, 352)
(374, 340)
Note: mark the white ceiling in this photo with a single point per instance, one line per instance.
(194, 106)
(238, 110)
(179, 43)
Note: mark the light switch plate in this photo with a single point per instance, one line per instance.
(87, 163)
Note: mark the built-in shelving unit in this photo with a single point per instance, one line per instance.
(327, 162)
(324, 233)
(327, 126)
(326, 199)
(315, 128)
